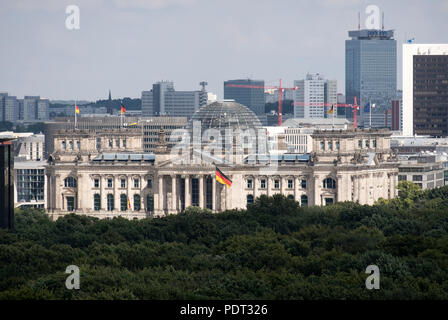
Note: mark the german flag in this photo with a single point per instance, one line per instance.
(123, 110)
(76, 109)
(222, 178)
(129, 204)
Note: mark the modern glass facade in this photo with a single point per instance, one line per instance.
(30, 185)
(253, 98)
(6, 184)
(370, 69)
(431, 95)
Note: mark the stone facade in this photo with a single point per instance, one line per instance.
(352, 165)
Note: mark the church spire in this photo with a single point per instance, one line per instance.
(110, 96)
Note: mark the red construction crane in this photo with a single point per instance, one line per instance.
(280, 95)
(354, 106)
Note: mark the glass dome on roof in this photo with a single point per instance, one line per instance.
(223, 115)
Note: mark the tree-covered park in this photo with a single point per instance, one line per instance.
(273, 250)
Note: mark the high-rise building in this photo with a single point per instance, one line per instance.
(6, 183)
(425, 89)
(314, 96)
(370, 70)
(163, 100)
(43, 107)
(3, 96)
(253, 98)
(11, 109)
(30, 107)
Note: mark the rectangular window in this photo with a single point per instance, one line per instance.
(249, 183)
(402, 178)
(96, 183)
(303, 184)
(290, 184)
(124, 143)
(117, 142)
(149, 183)
(123, 183)
(263, 184)
(96, 202)
(417, 178)
(136, 183)
(70, 203)
(276, 184)
(109, 183)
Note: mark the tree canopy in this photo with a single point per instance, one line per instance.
(273, 250)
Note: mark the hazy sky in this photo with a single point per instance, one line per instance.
(127, 45)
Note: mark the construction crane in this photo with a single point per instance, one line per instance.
(354, 106)
(280, 95)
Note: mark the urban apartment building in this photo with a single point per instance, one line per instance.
(96, 176)
(29, 109)
(314, 96)
(163, 100)
(425, 89)
(253, 98)
(148, 127)
(370, 71)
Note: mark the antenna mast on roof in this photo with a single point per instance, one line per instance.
(383, 20)
(359, 20)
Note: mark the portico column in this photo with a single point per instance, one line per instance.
(214, 195)
(296, 188)
(187, 192)
(161, 208)
(355, 189)
(360, 182)
(255, 188)
(173, 193)
(340, 197)
(316, 193)
(201, 191)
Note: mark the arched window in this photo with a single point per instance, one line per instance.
(96, 202)
(329, 183)
(304, 201)
(70, 182)
(322, 145)
(123, 202)
(110, 202)
(249, 199)
(70, 144)
(137, 205)
(290, 197)
(150, 203)
(64, 145)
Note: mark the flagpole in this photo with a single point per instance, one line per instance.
(370, 120)
(76, 116)
(332, 107)
(121, 114)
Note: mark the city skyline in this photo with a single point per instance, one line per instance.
(118, 44)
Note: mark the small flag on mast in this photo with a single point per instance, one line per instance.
(222, 178)
(129, 203)
(76, 109)
(331, 109)
(123, 110)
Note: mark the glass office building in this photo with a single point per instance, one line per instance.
(370, 69)
(249, 94)
(6, 183)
